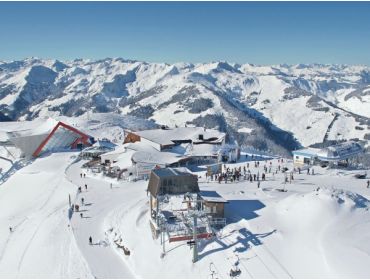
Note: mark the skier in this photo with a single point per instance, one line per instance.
(258, 184)
(90, 240)
(81, 175)
(86, 187)
(10, 229)
(81, 215)
(84, 175)
(82, 201)
(368, 183)
(79, 189)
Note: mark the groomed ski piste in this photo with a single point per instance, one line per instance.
(319, 227)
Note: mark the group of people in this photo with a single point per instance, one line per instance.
(80, 189)
(244, 173)
(239, 173)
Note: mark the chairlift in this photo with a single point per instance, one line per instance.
(235, 272)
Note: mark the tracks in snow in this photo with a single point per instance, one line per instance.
(259, 262)
(329, 127)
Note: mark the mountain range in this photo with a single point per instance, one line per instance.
(274, 108)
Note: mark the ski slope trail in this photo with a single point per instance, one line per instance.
(34, 202)
(100, 200)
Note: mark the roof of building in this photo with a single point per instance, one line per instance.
(212, 196)
(124, 160)
(340, 151)
(61, 136)
(308, 152)
(168, 136)
(202, 150)
(170, 172)
(337, 152)
(147, 154)
(29, 128)
(44, 134)
(172, 181)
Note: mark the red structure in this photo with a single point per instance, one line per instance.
(68, 137)
(205, 235)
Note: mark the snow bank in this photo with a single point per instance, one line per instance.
(323, 231)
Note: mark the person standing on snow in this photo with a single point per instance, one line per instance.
(368, 183)
(90, 240)
(82, 201)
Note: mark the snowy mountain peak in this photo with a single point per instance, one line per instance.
(284, 106)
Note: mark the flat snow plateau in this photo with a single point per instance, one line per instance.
(319, 227)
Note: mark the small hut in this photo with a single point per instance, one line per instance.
(213, 203)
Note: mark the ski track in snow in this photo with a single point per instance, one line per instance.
(34, 234)
(78, 226)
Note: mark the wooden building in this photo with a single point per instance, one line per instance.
(212, 203)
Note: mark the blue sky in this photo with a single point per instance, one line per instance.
(254, 32)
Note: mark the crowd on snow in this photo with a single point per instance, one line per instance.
(244, 173)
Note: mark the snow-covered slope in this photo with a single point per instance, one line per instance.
(319, 227)
(273, 105)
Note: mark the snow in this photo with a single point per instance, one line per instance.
(168, 136)
(33, 202)
(319, 227)
(26, 128)
(86, 79)
(245, 130)
(212, 196)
